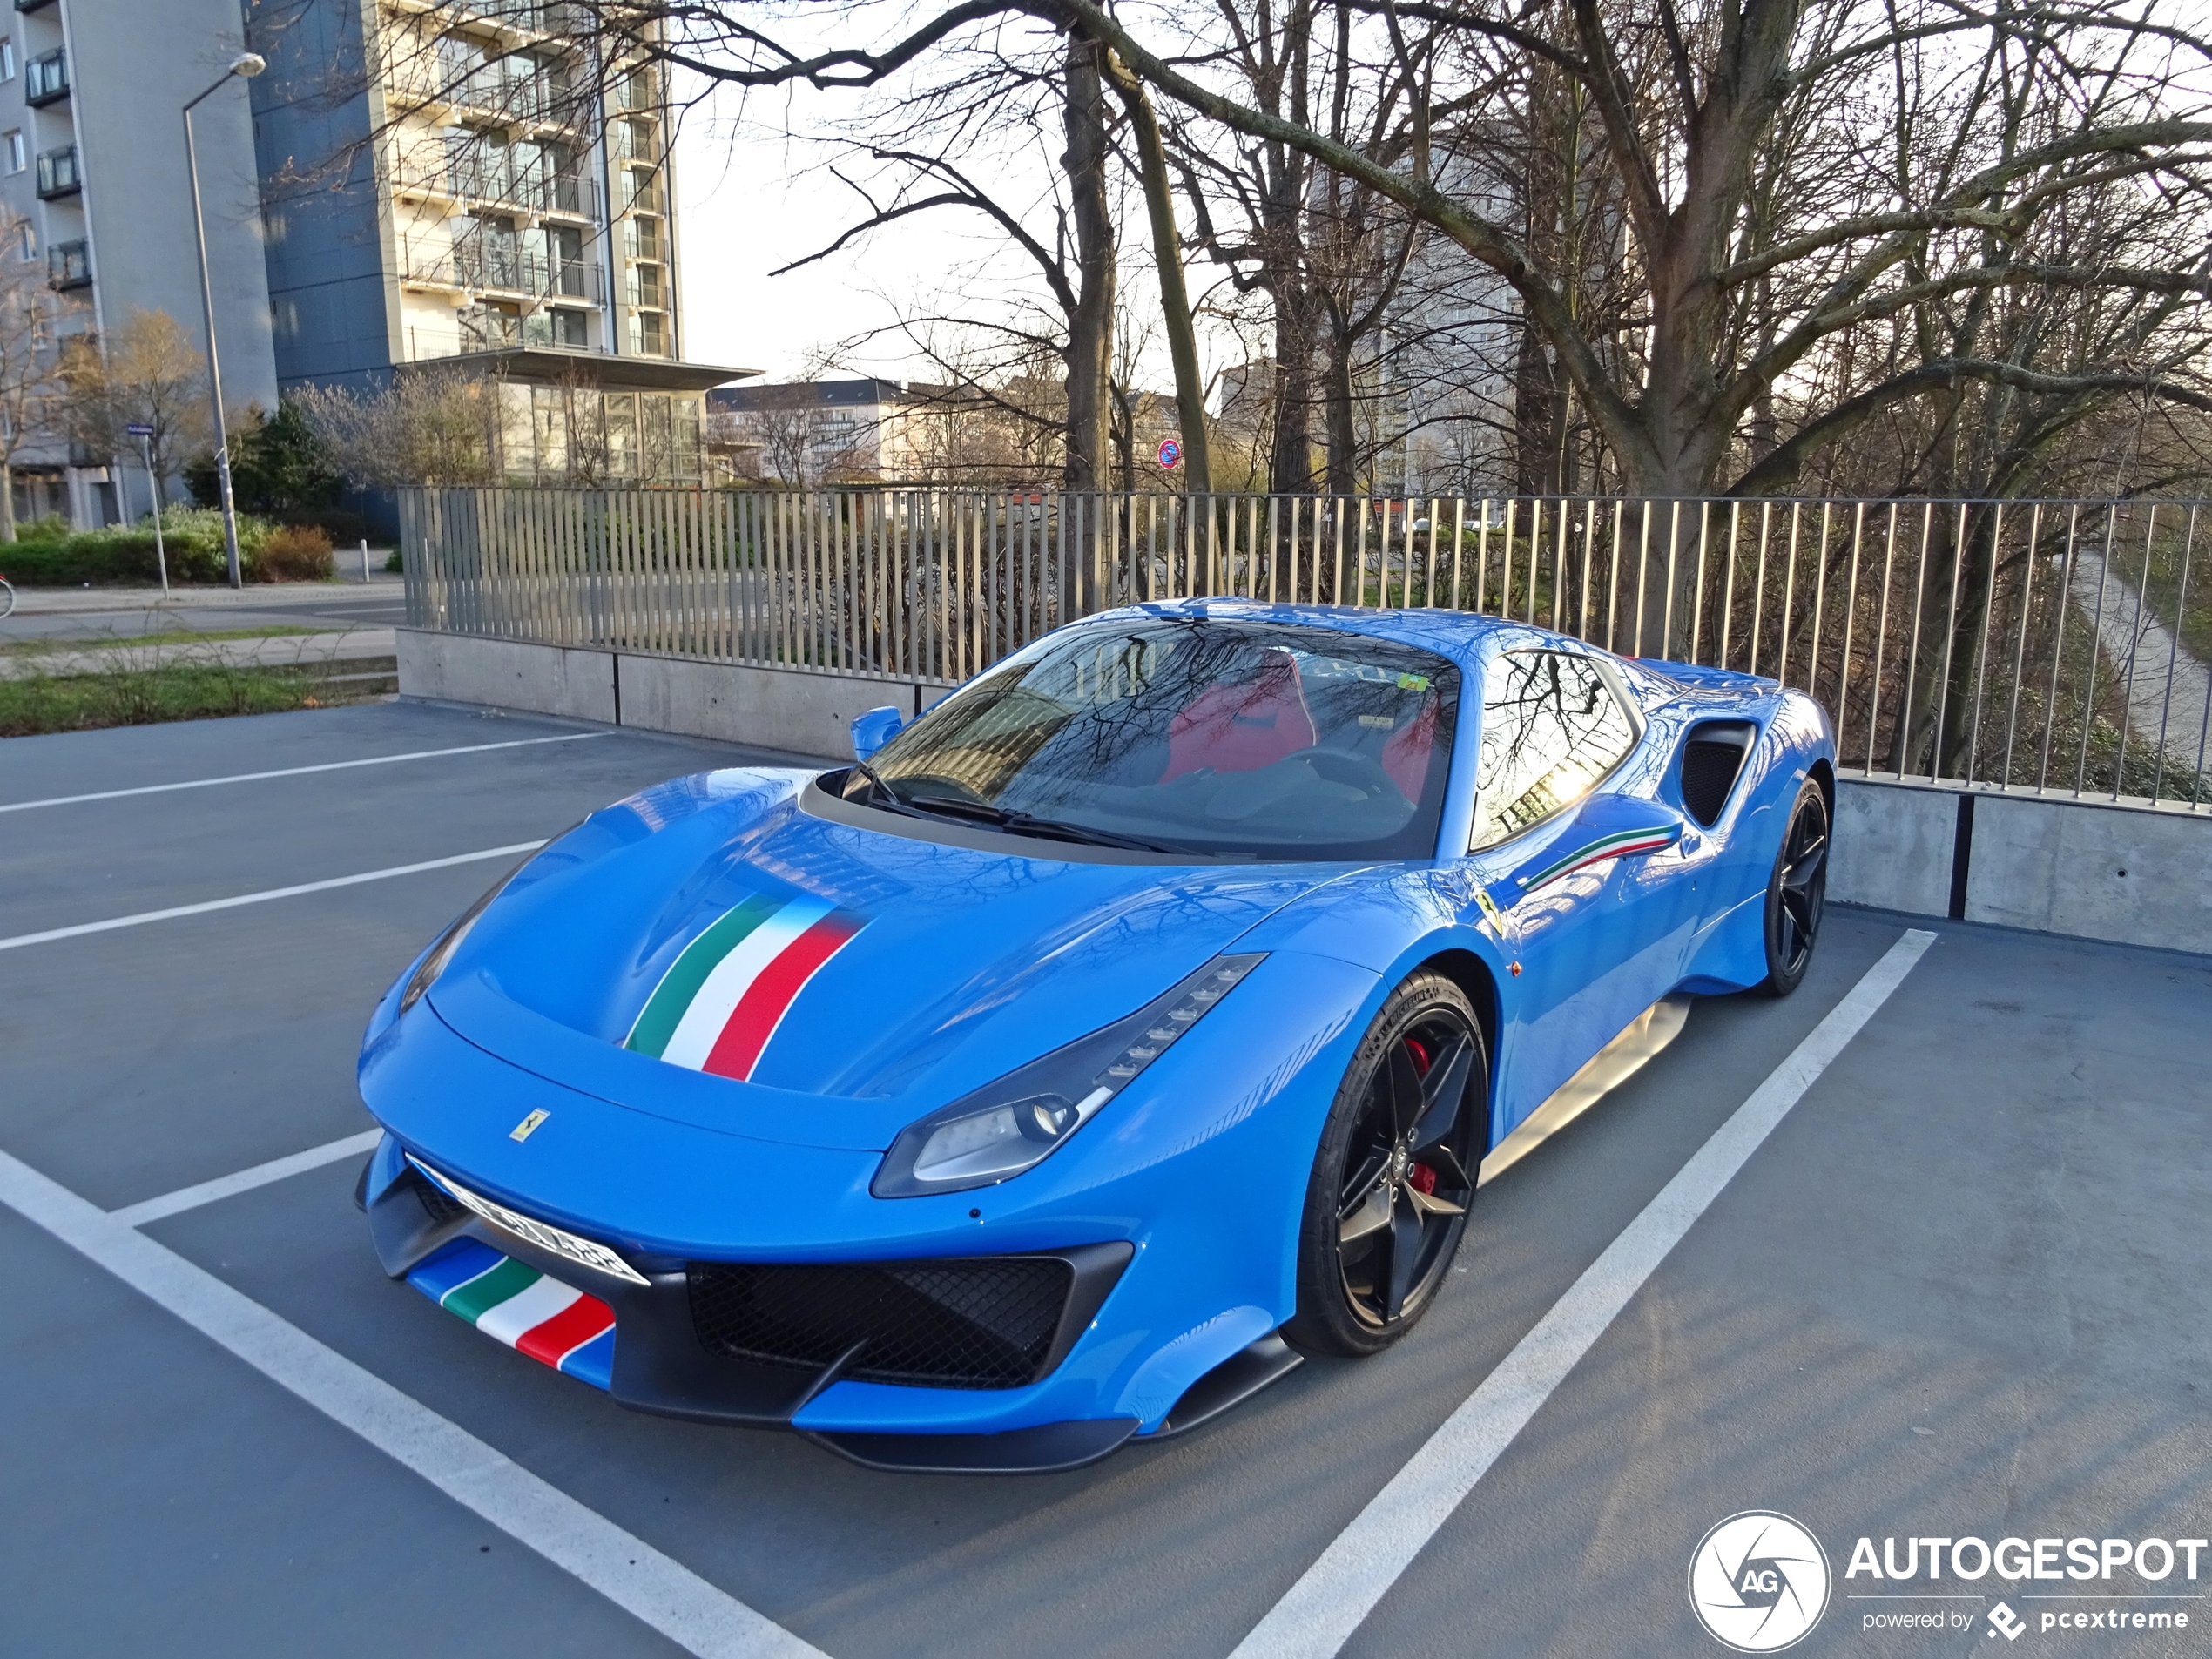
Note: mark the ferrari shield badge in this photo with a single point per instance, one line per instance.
(528, 1127)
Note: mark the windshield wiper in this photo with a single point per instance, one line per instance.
(1017, 822)
(885, 798)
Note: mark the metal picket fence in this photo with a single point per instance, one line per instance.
(2049, 646)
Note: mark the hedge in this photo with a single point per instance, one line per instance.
(45, 555)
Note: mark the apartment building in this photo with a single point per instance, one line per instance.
(473, 186)
(93, 187)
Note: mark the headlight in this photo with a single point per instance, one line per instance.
(426, 973)
(1010, 1125)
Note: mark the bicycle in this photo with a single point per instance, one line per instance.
(7, 598)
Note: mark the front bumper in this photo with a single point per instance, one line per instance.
(658, 1343)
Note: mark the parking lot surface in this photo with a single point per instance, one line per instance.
(1962, 1287)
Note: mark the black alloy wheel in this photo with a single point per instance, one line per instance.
(1797, 893)
(1395, 1173)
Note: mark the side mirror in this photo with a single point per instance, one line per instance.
(874, 729)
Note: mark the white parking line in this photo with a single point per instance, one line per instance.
(629, 1572)
(263, 897)
(229, 1186)
(1317, 1615)
(293, 771)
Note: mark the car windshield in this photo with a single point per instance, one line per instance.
(1190, 735)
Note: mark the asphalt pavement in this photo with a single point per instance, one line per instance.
(1963, 1287)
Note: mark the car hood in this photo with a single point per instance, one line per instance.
(957, 962)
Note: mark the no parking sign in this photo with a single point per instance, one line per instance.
(1170, 453)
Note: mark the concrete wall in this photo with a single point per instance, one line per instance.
(502, 674)
(795, 710)
(2134, 875)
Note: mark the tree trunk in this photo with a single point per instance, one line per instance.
(1343, 427)
(1175, 294)
(7, 500)
(1090, 330)
(1291, 467)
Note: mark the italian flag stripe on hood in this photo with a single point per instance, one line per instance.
(728, 990)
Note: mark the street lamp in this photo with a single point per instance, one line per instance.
(245, 65)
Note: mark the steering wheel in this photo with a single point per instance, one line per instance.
(1354, 772)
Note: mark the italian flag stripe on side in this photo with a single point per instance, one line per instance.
(728, 990)
(554, 1324)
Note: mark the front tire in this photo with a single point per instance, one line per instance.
(1797, 893)
(1386, 1204)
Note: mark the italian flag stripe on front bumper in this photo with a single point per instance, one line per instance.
(553, 1323)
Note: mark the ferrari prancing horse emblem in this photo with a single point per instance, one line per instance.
(528, 1127)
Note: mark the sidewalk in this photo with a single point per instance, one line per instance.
(285, 651)
(30, 602)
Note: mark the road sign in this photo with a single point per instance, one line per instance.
(137, 431)
(1170, 453)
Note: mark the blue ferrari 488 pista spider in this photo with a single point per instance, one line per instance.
(1132, 1024)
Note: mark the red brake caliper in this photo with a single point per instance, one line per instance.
(1420, 1177)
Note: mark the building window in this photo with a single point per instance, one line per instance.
(645, 287)
(647, 336)
(641, 238)
(26, 242)
(16, 153)
(555, 326)
(7, 60)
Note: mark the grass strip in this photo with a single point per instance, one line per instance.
(55, 644)
(45, 703)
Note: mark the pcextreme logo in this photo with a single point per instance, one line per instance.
(1758, 1582)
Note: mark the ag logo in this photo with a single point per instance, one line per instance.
(1758, 1582)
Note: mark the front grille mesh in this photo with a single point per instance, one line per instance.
(441, 1208)
(984, 1323)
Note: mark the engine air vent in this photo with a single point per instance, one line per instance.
(1711, 756)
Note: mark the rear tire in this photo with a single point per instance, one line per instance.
(1797, 893)
(1386, 1204)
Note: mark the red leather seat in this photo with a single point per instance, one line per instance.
(1242, 728)
(1405, 756)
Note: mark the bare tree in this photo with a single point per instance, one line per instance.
(427, 426)
(33, 394)
(150, 373)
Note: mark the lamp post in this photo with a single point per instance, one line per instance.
(245, 65)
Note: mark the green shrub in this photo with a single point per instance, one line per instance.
(125, 553)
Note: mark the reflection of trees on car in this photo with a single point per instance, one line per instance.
(1195, 732)
(1551, 729)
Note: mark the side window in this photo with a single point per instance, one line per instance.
(1551, 729)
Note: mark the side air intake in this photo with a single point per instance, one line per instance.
(1712, 756)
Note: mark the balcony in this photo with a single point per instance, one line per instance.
(481, 266)
(46, 80)
(492, 93)
(645, 287)
(32, 5)
(634, 141)
(481, 180)
(641, 191)
(68, 265)
(58, 174)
